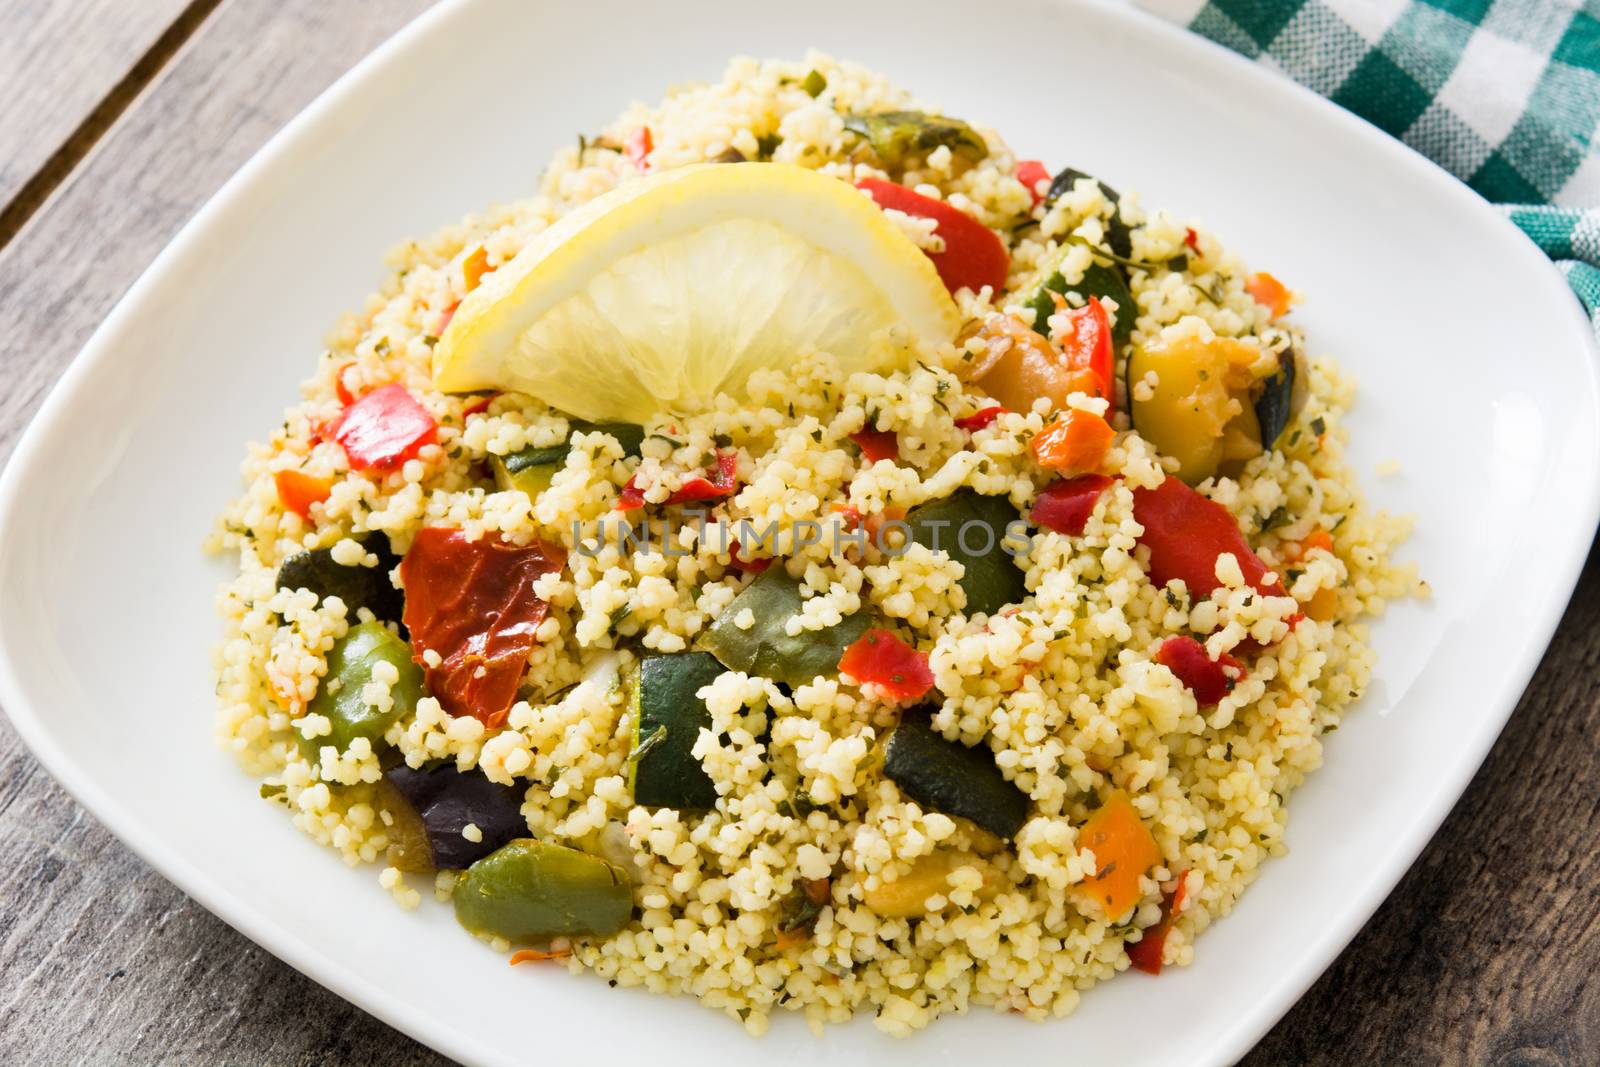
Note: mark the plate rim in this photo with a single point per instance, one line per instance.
(345, 980)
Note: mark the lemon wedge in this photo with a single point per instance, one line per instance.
(673, 289)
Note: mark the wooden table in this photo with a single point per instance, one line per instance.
(118, 119)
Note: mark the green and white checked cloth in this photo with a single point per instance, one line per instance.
(1504, 94)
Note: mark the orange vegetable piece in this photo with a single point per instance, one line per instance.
(1269, 293)
(1123, 852)
(298, 491)
(474, 267)
(1077, 441)
(793, 938)
(1318, 538)
(534, 955)
(1018, 366)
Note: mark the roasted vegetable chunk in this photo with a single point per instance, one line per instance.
(358, 586)
(343, 699)
(531, 890)
(898, 136)
(433, 806)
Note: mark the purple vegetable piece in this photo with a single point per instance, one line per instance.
(446, 800)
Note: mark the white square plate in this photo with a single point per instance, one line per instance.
(1478, 372)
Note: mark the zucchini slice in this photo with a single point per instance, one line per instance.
(359, 587)
(948, 776)
(1119, 236)
(1275, 403)
(532, 469)
(766, 648)
(667, 719)
(970, 528)
(1101, 279)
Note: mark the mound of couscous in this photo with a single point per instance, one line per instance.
(903, 598)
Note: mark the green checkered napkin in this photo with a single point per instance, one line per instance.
(1504, 94)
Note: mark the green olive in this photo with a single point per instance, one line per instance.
(350, 663)
(530, 890)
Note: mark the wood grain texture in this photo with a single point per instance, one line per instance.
(1484, 955)
(67, 69)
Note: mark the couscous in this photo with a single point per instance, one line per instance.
(807, 557)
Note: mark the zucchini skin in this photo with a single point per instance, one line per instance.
(666, 775)
(1100, 280)
(1275, 406)
(359, 587)
(992, 579)
(948, 776)
(1119, 237)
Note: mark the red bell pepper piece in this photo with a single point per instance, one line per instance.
(638, 148)
(341, 390)
(881, 658)
(1146, 955)
(1185, 533)
(877, 444)
(1086, 345)
(747, 566)
(1191, 239)
(973, 256)
(1030, 172)
(478, 406)
(1194, 667)
(721, 483)
(444, 319)
(472, 603)
(981, 418)
(384, 428)
(1065, 507)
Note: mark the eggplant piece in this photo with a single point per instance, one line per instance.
(432, 806)
(897, 136)
(358, 587)
(1119, 237)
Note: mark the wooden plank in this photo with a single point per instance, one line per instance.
(1484, 954)
(67, 68)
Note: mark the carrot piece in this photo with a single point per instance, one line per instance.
(1077, 441)
(1269, 292)
(1123, 852)
(793, 938)
(1318, 538)
(474, 267)
(534, 955)
(297, 491)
